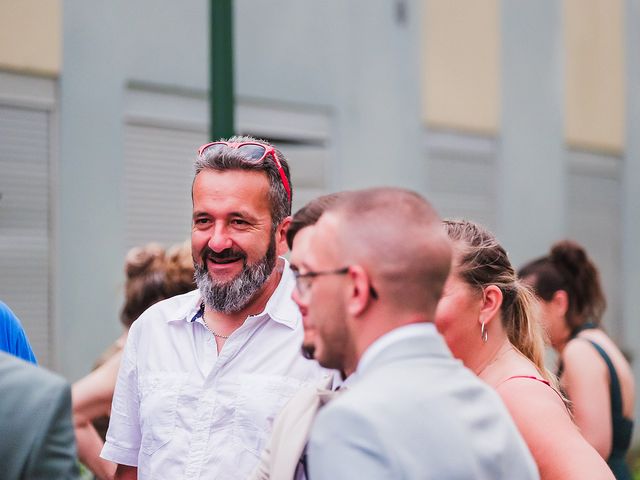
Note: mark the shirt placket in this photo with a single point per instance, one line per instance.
(200, 445)
(200, 437)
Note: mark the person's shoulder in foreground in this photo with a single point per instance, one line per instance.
(13, 338)
(35, 421)
(418, 413)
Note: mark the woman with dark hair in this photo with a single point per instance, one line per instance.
(151, 275)
(487, 318)
(593, 372)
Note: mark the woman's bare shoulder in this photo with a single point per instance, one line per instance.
(546, 426)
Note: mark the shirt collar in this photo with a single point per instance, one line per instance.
(396, 335)
(280, 307)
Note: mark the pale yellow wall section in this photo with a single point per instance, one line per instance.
(30, 35)
(461, 76)
(594, 74)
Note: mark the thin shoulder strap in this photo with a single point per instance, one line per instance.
(614, 389)
(541, 380)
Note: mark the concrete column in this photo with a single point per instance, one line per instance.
(377, 80)
(89, 220)
(531, 157)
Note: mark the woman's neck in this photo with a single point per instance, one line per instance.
(493, 358)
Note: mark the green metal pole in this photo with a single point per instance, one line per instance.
(221, 99)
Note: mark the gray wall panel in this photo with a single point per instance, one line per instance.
(462, 176)
(24, 222)
(594, 220)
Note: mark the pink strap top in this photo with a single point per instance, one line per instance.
(542, 380)
(546, 382)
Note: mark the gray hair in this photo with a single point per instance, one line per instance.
(231, 159)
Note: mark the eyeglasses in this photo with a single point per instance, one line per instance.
(253, 152)
(304, 280)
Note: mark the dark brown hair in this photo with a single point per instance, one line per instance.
(144, 269)
(179, 269)
(567, 267)
(309, 215)
(153, 275)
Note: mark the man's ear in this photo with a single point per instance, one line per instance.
(359, 293)
(491, 303)
(281, 236)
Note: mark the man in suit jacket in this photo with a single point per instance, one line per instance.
(374, 272)
(35, 420)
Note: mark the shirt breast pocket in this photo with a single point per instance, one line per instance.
(159, 394)
(260, 398)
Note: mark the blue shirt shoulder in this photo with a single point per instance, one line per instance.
(13, 338)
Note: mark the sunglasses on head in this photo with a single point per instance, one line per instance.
(252, 152)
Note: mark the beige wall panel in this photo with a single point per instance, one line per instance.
(30, 35)
(594, 74)
(461, 77)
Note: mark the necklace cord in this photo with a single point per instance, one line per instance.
(206, 325)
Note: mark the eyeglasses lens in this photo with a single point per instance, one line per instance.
(214, 148)
(252, 152)
(302, 285)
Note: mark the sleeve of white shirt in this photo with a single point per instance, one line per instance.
(123, 437)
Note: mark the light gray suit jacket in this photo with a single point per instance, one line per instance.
(415, 412)
(290, 434)
(37, 441)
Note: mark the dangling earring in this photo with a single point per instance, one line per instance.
(484, 333)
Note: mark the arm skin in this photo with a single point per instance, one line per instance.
(555, 442)
(586, 381)
(92, 396)
(126, 472)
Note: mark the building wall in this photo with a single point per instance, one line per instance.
(30, 34)
(30, 57)
(512, 114)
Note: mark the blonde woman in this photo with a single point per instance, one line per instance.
(485, 315)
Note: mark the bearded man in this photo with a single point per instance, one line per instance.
(204, 374)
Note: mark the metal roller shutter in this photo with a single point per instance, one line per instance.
(158, 175)
(25, 222)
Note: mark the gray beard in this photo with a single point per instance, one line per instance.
(232, 296)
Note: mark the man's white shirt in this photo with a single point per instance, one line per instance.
(183, 410)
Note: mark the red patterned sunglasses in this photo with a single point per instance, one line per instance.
(253, 152)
